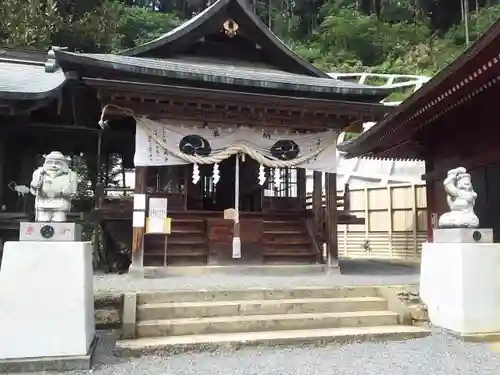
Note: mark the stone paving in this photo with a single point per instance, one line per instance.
(354, 272)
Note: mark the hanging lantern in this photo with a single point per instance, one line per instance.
(196, 174)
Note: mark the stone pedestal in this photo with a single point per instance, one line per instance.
(463, 235)
(460, 285)
(47, 312)
(51, 231)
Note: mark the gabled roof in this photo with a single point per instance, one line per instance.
(24, 77)
(210, 21)
(471, 73)
(225, 74)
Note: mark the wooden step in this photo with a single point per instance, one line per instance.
(284, 225)
(186, 231)
(287, 241)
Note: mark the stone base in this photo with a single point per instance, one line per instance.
(51, 231)
(463, 235)
(47, 297)
(476, 337)
(57, 364)
(240, 270)
(459, 283)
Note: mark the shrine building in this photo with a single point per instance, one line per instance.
(217, 114)
(450, 122)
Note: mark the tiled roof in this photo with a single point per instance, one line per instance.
(225, 73)
(29, 80)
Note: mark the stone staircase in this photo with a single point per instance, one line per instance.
(199, 320)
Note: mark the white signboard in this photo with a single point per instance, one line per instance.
(139, 201)
(157, 219)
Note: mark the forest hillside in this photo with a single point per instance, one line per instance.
(385, 36)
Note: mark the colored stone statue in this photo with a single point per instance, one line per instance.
(54, 185)
(461, 199)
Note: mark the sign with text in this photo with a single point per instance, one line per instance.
(157, 219)
(52, 231)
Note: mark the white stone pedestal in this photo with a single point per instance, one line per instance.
(460, 284)
(47, 301)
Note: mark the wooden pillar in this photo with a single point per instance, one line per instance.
(137, 264)
(430, 197)
(301, 187)
(3, 182)
(317, 202)
(332, 250)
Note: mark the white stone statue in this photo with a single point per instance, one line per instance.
(53, 184)
(461, 199)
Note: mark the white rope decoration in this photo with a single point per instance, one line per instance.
(240, 147)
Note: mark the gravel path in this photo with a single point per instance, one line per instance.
(438, 354)
(354, 272)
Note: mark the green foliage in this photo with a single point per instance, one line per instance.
(139, 25)
(405, 36)
(28, 23)
(105, 27)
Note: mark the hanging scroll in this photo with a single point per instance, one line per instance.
(159, 144)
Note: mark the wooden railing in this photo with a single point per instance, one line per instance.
(343, 202)
(344, 216)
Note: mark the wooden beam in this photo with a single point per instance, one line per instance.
(358, 110)
(138, 232)
(317, 202)
(332, 253)
(430, 194)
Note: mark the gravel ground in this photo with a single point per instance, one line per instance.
(438, 354)
(354, 272)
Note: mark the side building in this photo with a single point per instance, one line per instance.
(450, 122)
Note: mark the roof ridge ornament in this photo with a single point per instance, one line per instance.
(230, 27)
(51, 64)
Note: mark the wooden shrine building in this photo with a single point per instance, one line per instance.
(216, 114)
(452, 121)
(194, 100)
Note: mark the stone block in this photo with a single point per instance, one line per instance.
(38, 231)
(47, 295)
(459, 283)
(463, 235)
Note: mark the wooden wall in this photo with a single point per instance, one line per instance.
(395, 222)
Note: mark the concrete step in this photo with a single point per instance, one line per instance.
(256, 294)
(256, 323)
(173, 310)
(179, 344)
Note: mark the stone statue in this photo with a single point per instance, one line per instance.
(461, 199)
(53, 184)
